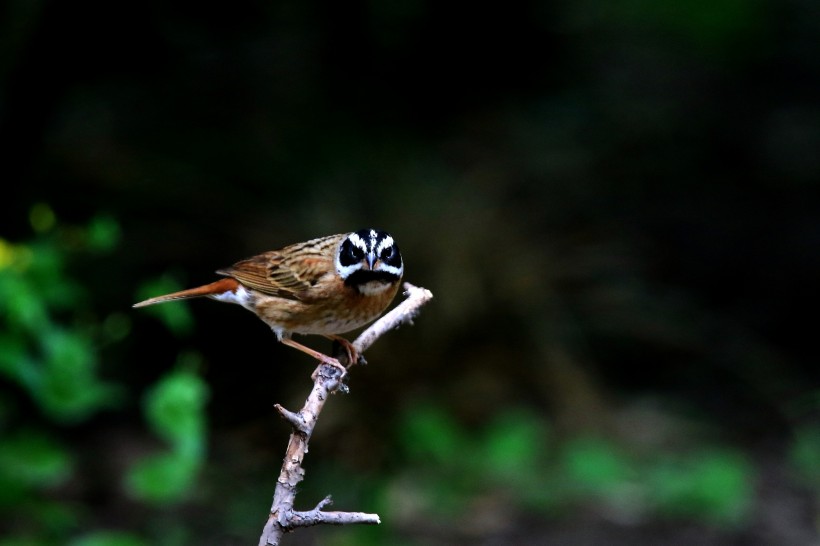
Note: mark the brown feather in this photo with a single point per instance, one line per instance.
(253, 272)
(218, 287)
(290, 272)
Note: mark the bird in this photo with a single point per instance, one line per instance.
(325, 286)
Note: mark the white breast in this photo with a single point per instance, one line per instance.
(373, 288)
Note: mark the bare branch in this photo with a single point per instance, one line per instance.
(403, 313)
(326, 380)
(317, 516)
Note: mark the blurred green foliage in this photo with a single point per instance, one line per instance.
(805, 455)
(455, 473)
(50, 356)
(713, 484)
(49, 352)
(175, 410)
(31, 460)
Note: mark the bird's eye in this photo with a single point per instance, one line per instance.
(351, 254)
(390, 256)
(356, 253)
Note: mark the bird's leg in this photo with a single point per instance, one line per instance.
(321, 357)
(353, 355)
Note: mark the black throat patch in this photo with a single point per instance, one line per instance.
(363, 276)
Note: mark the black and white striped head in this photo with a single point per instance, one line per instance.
(370, 260)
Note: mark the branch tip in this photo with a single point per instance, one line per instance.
(295, 419)
(327, 501)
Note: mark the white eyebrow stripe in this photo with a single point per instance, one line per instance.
(358, 241)
(397, 271)
(387, 242)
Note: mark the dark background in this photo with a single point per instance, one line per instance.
(613, 204)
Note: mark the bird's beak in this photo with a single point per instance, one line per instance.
(371, 260)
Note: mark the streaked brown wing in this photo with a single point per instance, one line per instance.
(253, 273)
(290, 272)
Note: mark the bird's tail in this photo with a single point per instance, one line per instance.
(221, 286)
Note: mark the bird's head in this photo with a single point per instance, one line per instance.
(368, 259)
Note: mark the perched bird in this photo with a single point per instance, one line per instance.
(325, 286)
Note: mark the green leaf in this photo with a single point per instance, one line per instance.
(175, 409)
(103, 233)
(595, 465)
(15, 362)
(805, 454)
(163, 478)
(31, 459)
(429, 433)
(70, 390)
(716, 485)
(513, 446)
(21, 303)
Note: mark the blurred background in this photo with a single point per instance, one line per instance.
(614, 204)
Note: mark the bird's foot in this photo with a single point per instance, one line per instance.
(329, 361)
(353, 356)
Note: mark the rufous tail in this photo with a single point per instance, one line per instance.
(219, 287)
